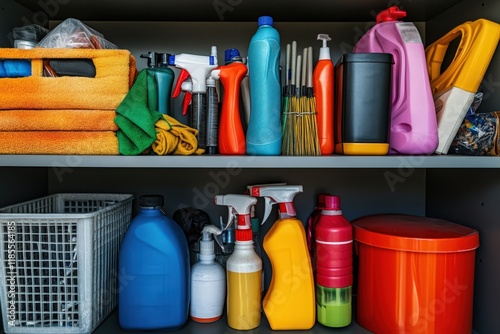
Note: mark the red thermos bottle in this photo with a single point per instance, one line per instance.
(334, 257)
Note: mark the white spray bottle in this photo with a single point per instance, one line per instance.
(244, 266)
(290, 302)
(208, 280)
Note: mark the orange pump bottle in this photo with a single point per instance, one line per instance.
(231, 134)
(323, 79)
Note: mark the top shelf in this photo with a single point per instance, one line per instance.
(234, 10)
(234, 162)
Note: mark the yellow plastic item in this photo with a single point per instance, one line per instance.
(290, 302)
(455, 87)
(364, 148)
(478, 43)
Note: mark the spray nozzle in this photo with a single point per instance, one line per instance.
(206, 243)
(240, 206)
(277, 194)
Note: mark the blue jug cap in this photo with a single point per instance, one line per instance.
(230, 54)
(151, 201)
(265, 20)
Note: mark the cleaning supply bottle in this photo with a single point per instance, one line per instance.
(231, 134)
(212, 117)
(264, 129)
(244, 267)
(413, 126)
(154, 258)
(208, 280)
(323, 81)
(312, 221)
(333, 259)
(163, 78)
(289, 303)
(455, 85)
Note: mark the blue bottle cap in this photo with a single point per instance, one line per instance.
(230, 54)
(265, 20)
(151, 201)
(171, 60)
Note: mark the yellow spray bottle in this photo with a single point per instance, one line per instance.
(290, 302)
(244, 266)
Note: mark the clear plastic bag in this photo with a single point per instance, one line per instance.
(72, 33)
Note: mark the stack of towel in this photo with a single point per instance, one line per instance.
(64, 115)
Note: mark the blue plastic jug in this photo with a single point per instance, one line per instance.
(154, 271)
(264, 128)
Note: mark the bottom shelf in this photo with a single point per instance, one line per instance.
(110, 326)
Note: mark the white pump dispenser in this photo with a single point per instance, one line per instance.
(324, 52)
(208, 280)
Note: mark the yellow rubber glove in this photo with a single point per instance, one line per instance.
(173, 137)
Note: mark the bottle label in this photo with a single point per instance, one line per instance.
(409, 32)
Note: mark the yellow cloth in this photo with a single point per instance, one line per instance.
(173, 137)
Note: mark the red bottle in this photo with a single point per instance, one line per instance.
(334, 257)
(312, 221)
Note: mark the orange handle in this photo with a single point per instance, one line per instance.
(323, 91)
(231, 135)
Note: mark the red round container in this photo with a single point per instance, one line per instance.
(416, 274)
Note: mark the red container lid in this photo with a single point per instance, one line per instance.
(414, 234)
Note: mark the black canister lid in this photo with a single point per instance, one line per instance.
(151, 201)
(367, 58)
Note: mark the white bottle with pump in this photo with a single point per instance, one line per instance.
(208, 280)
(244, 267)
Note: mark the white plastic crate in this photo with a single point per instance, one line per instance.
(59, 261)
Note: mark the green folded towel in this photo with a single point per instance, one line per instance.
(135, 120)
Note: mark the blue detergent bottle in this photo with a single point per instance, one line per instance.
(264, 129)
(154, 271)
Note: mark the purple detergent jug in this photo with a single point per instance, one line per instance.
(413, 115)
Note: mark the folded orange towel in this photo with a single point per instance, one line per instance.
(65, 120)
(115, 72)
(59, 142)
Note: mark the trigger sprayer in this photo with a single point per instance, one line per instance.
(244, 266)
(239, 206)
(197, 68)
(282, 195)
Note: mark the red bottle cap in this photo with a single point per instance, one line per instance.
(244, 234)
(390, 14)
(331, 202)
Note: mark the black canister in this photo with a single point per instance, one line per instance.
(363, 103)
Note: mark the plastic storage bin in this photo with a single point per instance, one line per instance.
(59, 261)
(416, 274)
(363, 103)
(115, 72)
